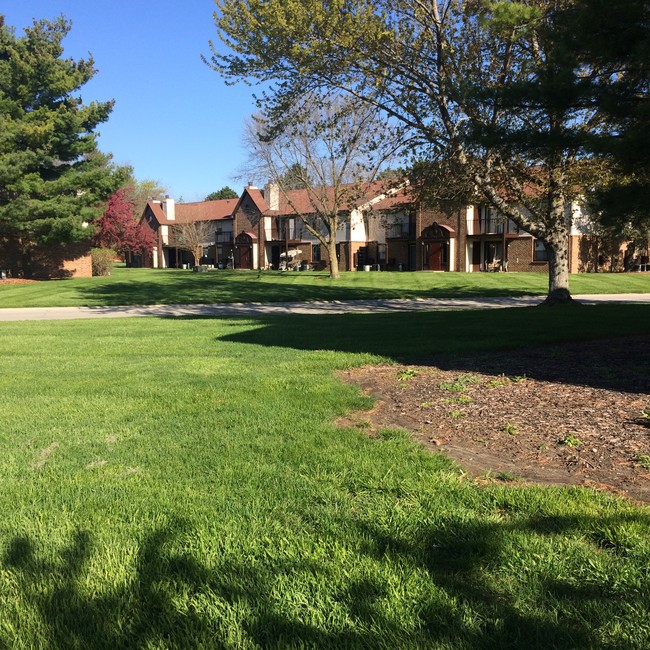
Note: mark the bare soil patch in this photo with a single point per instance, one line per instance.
(568, 414)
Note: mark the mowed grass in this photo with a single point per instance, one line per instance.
(171, 286)
(182, 484)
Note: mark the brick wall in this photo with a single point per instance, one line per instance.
(48, 262)
(445, 214)
(63, 261)
(585, 256)
(520, 256)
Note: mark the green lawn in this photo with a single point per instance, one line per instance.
(180, 483)
(151, 286)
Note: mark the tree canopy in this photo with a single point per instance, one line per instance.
(484, 84)
(141, 191)
(194, 236)
(119, 227)
(612, 37)
(53, 179)
(332, 148)
(225, 192)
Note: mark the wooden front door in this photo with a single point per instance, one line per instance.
(436, 258)
(245, 257)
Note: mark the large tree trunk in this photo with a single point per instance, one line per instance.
(334, 261)
(558, 268)
(328, 242)
(557, 239)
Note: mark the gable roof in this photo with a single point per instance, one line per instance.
(205, 210)
(190, 212)
(295, 202)
(157, 211)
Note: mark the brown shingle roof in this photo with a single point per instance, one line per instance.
(157, 211)
(205, 210)
(300, 201)
(190, 212)
(258, 198)
(401, 198)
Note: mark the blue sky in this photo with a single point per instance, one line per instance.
(174, 121)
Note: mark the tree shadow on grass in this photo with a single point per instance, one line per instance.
(562, 610)
(236, 287)
(493, 340)
(174, 600)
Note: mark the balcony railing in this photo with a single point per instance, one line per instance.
(491, 226)
(400, 231)
(279, 233)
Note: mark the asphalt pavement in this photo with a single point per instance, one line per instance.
(254, 309)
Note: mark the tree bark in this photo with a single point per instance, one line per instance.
(334, 261)
(332, 225)
(558, 269)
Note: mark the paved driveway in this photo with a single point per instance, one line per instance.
(334, 307)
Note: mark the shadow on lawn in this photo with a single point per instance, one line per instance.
(176, 601)
(564, 610)
(229, 287)
(523, 341)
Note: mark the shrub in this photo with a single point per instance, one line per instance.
(102, 260)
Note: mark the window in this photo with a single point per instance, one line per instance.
(540, 254)
(491, 221)
(315, 253)
(381, 253)
(223, 236)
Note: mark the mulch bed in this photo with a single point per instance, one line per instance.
(16, 281)
(568, 414)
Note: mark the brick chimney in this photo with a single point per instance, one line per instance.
(272, 195)
(168, 208)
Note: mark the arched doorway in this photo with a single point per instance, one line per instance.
(437, 247)
(244, 250)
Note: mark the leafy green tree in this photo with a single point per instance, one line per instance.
(224, 193)
(295, 178)
(53, 180)
(140, 192)
(481, 83)
(612, 39)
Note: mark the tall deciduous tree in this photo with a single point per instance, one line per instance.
(483, 83)
(193, 237)
(140, 192)
(331, 148)
(53, 180)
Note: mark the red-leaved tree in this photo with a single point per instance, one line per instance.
(120, 229)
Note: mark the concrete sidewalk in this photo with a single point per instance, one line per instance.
(254, 309)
